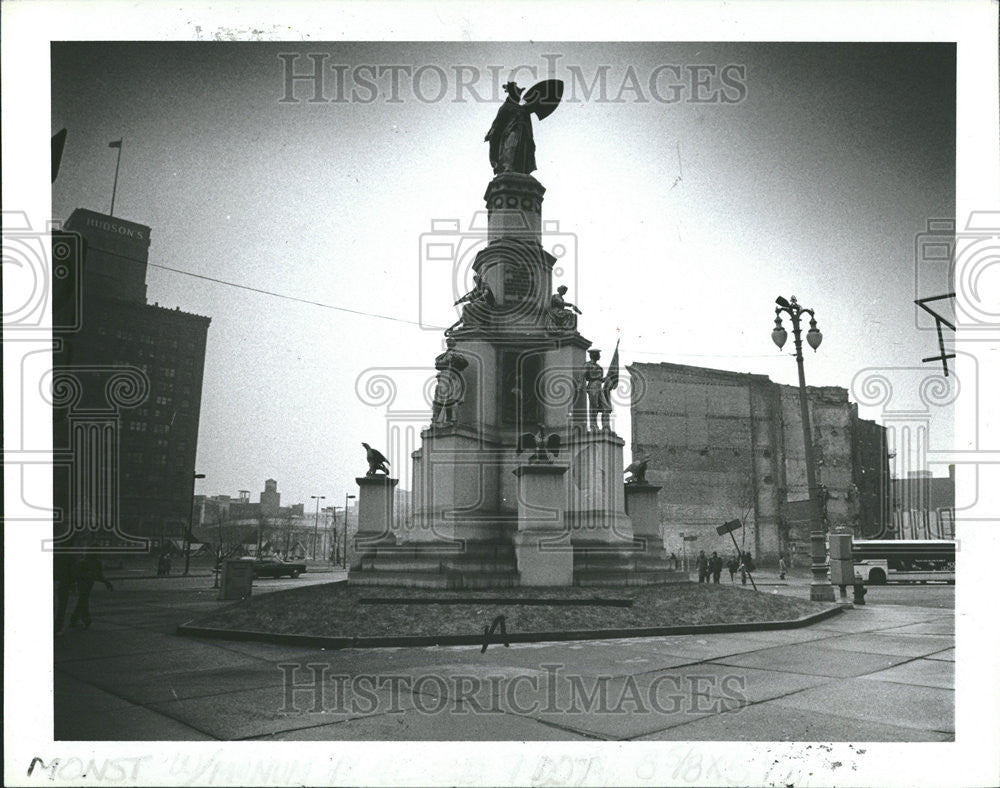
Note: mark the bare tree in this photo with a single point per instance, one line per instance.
(746, 501)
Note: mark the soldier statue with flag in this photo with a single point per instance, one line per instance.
(599, 387)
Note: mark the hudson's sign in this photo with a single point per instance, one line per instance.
(110, 225)
(110, 233)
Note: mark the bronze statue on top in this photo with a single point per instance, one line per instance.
(512, 143)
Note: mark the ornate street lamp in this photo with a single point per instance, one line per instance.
(820, 590)
(187, 536)
(317, 498)
(346, 499)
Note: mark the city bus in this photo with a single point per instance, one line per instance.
(880, 561)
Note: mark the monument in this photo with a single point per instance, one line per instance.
(519, 476)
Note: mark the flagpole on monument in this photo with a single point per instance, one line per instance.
(114, 189)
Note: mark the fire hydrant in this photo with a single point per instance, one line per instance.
(859, 592)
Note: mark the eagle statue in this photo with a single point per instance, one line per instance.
(637, 469)
(376, 461)
(542, 446)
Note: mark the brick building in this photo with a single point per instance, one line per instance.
(727, 445)
(126, 388)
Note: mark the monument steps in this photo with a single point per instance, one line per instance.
(591, 577)
(470, 564)
(372, 577)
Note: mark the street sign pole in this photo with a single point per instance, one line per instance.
(729, 527)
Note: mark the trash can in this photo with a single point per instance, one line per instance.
(237, 580)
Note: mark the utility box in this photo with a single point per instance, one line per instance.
(841, 572)
(237, 580)
(840, 547)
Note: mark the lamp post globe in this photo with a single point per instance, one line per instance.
(778, 335)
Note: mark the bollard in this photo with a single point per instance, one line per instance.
(859, 593)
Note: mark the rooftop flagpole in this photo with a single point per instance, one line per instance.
(114, 189)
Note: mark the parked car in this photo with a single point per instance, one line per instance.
(275, 567)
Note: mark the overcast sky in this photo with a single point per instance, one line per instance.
(803, 169)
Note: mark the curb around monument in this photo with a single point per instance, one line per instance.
(328, 642)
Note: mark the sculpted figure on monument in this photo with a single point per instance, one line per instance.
(450, 386)
(478, 303)
(599, 387)
(376, 461)
(597, 396)
(512, 143)
(561, 314)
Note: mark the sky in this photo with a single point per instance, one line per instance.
(703, 181)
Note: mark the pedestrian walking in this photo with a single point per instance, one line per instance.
(63, 576)
(673, 561)
(782, 566)
(732, 565)
(87, 572)
(715, 567)
(745, 567)
(702, 566)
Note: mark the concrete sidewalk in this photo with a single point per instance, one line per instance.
(875, 673)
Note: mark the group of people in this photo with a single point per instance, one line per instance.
(710, 567)
(74, 572)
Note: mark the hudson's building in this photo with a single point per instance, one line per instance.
(127, 387)
(728, 445)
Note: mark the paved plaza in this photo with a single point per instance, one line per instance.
(882, 672)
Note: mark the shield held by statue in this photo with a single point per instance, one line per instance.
(543, 97)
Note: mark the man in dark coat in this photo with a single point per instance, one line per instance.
(88, 571)
(702, 566)
(715, 567)
(62, 574)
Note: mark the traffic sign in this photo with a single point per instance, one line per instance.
(732, 525)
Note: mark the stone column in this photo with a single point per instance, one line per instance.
(375, 512)
(640, 504)
(542, 544)
(514, 207)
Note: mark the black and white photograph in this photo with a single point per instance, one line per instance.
(570, 394)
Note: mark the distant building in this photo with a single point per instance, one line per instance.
(727, 445)
(127, 388)
(923, 506)
(279, 529)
